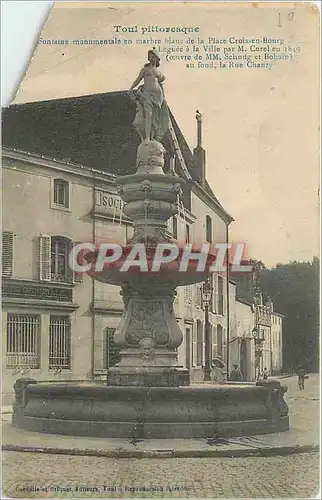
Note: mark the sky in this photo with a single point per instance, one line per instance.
(260, 126)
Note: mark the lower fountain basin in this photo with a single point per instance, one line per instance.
(151, 412)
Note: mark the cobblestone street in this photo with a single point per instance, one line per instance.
(61, 476)
(291, 476)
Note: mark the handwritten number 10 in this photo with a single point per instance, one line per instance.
(290, 17)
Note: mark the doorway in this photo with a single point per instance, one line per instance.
(188, 348)
(244, 359)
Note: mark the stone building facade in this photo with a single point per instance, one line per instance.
(268, 332)
(242, 346)
(276, 342)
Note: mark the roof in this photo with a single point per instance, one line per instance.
(92, 130)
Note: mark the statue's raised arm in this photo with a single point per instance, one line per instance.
(152, 116)
(138, 79)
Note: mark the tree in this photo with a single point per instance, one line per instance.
(294, 289)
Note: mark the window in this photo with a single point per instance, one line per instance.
(175, 227)
(112, 351)
(59, 342)
(172, 225)
(214, 341)
(214, 293)
(7, 254)
(199, 296)
(187, 237)
(52, 258)
(220, 295)
(61, 193)
(60, 248)
(208, 229)
(189, 348)
(199, 342)
(23, 341)
(219, 340)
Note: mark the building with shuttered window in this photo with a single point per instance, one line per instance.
(60, 161)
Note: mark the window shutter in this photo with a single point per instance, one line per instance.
(7, 254)
(78, 277)
(44, 258)
(220, 286)
(200, 343)
(187, 295)
(198, 296)
(213, 341)
(194, 345)
(214, 293)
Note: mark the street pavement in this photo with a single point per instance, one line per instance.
(39, 475)
(304, 406)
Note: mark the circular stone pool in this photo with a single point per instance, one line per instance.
(151, 412)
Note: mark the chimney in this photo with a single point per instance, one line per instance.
(199, 154)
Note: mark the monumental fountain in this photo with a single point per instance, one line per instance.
(148, 394)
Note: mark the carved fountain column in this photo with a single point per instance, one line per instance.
(148, 332)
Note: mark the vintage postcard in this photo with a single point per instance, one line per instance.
(160, 254)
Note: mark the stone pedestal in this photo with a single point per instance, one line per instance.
(149, 335)
(148, 377)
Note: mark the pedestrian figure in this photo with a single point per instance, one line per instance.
(265, 374)
(236, 375)
(301, 377)
(218, 370)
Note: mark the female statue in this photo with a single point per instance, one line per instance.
(152, 114)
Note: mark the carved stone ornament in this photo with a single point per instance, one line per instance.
(147, 347)
(20, 386)
(147, 321)
(177, 189)
(150, 153)
(159, 236)
(146, 186)
(120, 189)
(148, 205)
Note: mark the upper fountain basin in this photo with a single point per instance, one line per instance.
(147, 266)
(150, 186)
